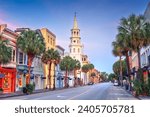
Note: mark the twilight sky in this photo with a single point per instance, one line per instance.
(97, 20)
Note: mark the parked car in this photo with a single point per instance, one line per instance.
(116, 83)
(90, 83)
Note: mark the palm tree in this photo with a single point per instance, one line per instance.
(116, 67)
(32, 44)
(118, 51)
(125, 44)
(5, 52)
(104, 76)
(67, 64)
(49, 57)
(91, 67)
(137, 31)
(77, 66)
(85, 69)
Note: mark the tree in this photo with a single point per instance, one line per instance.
(91, 67)
(93, 74)
(116, 68)
(125, 44)
(5, 52)
(111, 76)
(118, 51)
(104, 76)
(86, 68)
(31, 43)
(137, 31)
(50, 57)
(77, 66)
(67, 64)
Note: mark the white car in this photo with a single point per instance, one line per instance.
(116, 83)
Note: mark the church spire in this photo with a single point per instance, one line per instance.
(75, 25)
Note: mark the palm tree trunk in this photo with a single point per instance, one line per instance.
(128, 66)
(30, 60)
(54, 78)
(139, 58)
(74, 77)
(49, 75)
(66, 77)
(86, 78)
(120, 70)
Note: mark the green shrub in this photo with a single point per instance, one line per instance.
(34, 85)
(30, 88)
(137, 87)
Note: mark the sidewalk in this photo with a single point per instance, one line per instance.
(144, 97)
(140, 97)
(20, 93)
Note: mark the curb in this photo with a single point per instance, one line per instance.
(3, 96)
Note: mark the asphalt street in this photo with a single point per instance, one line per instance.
(101, 91)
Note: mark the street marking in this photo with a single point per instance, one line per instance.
(78, 95)
(60, 96)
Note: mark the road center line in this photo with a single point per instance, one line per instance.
(79, 94)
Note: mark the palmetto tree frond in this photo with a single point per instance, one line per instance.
(5, 52)
(50, 56)
(31, 43)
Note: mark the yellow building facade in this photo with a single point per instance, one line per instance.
(50, 43)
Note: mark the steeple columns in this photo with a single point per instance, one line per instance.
(75, 33)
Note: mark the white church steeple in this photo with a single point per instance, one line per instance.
(76, 48)
(75, 24)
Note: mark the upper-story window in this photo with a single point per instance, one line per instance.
(13, 55)
(78, 50)
(24, 58)
(74, 41)
(20, 58)
(74, 50)
(70, 50)
(77, 33)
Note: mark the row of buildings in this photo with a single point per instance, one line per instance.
(145, 54)
(13, 75)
